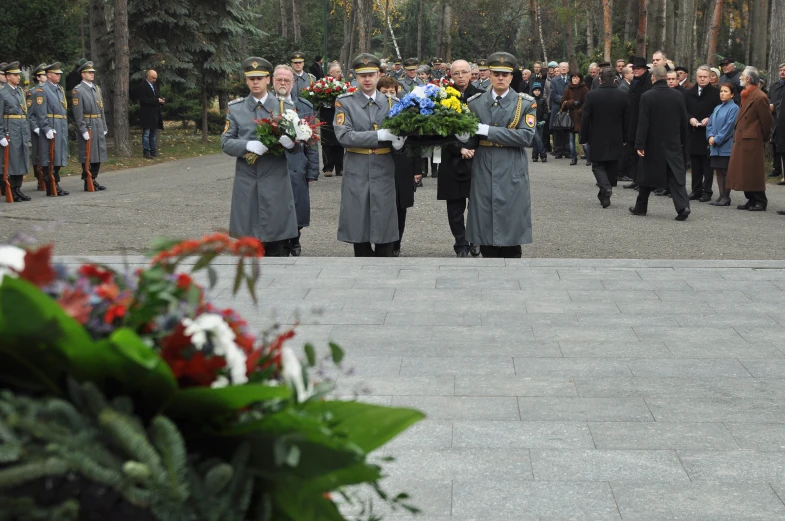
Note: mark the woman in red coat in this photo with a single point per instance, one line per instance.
(747, 169)
(572, 101)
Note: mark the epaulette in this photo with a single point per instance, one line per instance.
(525, 96)
(345, 94)
(475, 96)
(235, 101)
(39, 89)
(76, 89)
(305, 102)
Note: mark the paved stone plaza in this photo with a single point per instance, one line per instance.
(555, 388)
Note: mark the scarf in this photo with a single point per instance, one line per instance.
(746, 93)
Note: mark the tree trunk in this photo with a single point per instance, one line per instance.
(535, 29)
(122, 58)
(284, 18)
(589, 33)
(670, 28)
(568, 35)
(714, 32)
(223, 101)
(653, 10)
(205, 117)
(685, 33)
(440, 31)
(347, 30)
(606, 24)
(296, 34)
(446, 32)
(662, 23)
(759, 41)
(542, 40)
(640, 42)
(353, 33)
(746, 22)
(628, 22)
(776, 41)
(420, 17)
(362, 29)
(99, 51)
(386, 20)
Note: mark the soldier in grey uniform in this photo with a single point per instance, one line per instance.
(499, 218)
(397, 70)
(50, 106)
(437, 70)
(302, 79)
(410, 80)
(14, 130)
(368, 214)
(303, 161)
(484, 82)
(262, 202)
(88, 105)
(39, 76)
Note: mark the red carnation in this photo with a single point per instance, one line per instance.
(38, 267)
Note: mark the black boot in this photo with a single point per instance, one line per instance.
(534, 158)
(544, 158)
(18, 195)
(60, 191)
(574, 161)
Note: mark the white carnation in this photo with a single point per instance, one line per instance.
(12, 261)
(292, 372)
(222, 338)
(303, 132)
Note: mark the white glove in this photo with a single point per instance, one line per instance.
(385, 135)
(3, 142)
(287, 142)
(86, 136)
(50, 134)
(463, 138)
(256, 147)
(37, 131)
(482, 129)
(397, 142)
(106, 132)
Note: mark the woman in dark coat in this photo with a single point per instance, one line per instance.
(572, 101)
(332, 151)
(747, 168)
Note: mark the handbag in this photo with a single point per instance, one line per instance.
(563, 121)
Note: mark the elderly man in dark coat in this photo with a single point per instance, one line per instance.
(700, 101)
(559, 84)
(661, 141)
(641, 83)
(604, 129)
(151, 117)
(746, 170)
(454, 183)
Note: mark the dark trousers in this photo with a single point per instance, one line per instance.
(678, 191)
(506, 252)
(364, 249)
(401, 226)
(779, 161)
(455, 211)
(277, 248)
(757, 198)
(560, 143)
(702, 174)
(94, 168)
(15, 181)
(546, 135)
(332, 157)
(624, 161)
(605, 173)
(632, 164)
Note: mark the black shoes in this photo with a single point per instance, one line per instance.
(535, 159)
(662, 192)
(780, 212)
(757, 207)
(694, 196)
(474, 250)
(339, 174)
(97, 187)
(705, 198)
(396, 252)
(60, 191)
(683, 214)
(574, 161)
(624, 179)
(462, 254)
(722, 201)
(544, 158)
(774, 174)
(18, 195)
(745, 206)
(634, 210)
(147, 155)
(605, 199)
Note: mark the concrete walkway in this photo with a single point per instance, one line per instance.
(557, 389)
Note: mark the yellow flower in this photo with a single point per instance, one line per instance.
(452, 103)
(452, 92)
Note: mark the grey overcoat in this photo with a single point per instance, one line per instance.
(262, 202)
(14, 125)
(50, 110)
(499, 201)
(368, 212)
(408, 84)
(88, 105)
(33, 123)
(303, 163)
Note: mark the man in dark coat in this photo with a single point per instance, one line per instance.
(776, 96)
(731, 75)
(604, 128)
(660, 142)
(700, 101)
(559, 84)
(454, 183)
(641, 83)
(316, 68)
(779, 143)
(151, 117)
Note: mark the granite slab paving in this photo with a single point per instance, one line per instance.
(555, 388)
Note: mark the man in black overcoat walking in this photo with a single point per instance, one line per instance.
(700, 101)
(455, 173)
(661, 144)
(641, 83)
(151, 117)
(604, 128)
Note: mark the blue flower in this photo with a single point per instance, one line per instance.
(426, 112)
(426, 103)
(430, 90)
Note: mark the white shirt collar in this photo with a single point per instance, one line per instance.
(261, 100)
(88, 84)
(502, 95)
(372, 98)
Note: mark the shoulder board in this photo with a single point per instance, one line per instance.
(345, 95)
(76, 90)
(39, 89)
(475, 96)
(305, 102)
(526, 96)
(235, 101)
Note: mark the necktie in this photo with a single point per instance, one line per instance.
(699, 91)
(259, 105)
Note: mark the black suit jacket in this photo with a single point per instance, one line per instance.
(455, 173)
(637, 88)
(700, 107)
(604, 123)
(316, 70)
(150, 114)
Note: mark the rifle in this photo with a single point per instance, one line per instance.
(52, 182)
(9, 196)
(88, 149)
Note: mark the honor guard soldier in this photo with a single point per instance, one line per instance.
(3, 79)
(368, 214)
(437, 69)
(484, 83)
(410, 80)
(262, 202)
(14, 131)
(499, 218)
(303, 161)
(39, 78)
(50, 110)
(88, 105)
(302, 79)
(397, 70)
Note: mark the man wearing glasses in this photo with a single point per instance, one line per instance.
(262, 201)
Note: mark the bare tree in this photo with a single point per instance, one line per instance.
(608, 30)
(364, 29)
(640, 43)
(420, 17)
(347, 30)
(100, 53)
(446, 32)
(685, 33)
(759, 43)
(535, 28)
(589, 32)
(284, 18)
(568, 36)
(122, 65)
(542, 40)
(776, 39)
(386, 21)
(670, 27)
(628, 21)
(296, 33)
(714, 31)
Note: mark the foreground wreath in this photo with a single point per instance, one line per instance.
(128, 395)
